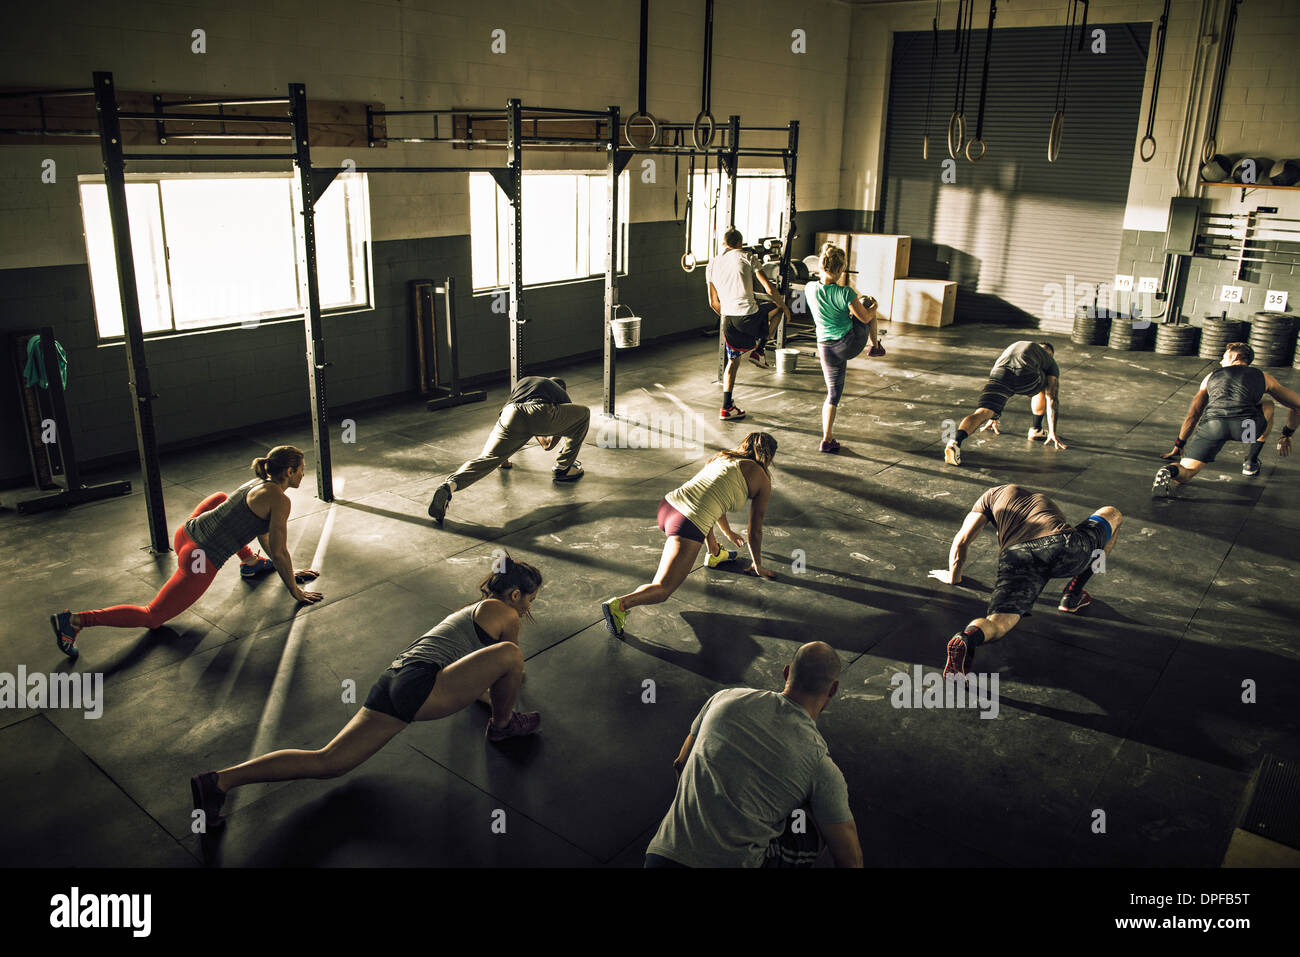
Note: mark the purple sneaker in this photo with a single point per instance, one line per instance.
(521, 723)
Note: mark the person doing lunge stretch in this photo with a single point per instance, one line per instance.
(1231, 404)
(537, 408)
(845, 322)
(747, 323)
(687, 516)
(1024, 368)
(437, 675)
(1035, 545)
(220, 527)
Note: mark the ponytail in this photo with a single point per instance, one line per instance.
(833, 261)
(273, 464)
(758, 447)
(507, 575)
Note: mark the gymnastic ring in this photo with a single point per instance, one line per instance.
(1207, 152)
(925, 146)
(957, 120)
(983, 149)
(1142, 149)
(654, 130)
(703, 142)
(1054, 136)
(689, 262)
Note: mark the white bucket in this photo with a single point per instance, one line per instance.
(786, 359)
(627, 332)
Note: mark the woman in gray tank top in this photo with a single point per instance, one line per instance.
(220, 527)
(438, 674)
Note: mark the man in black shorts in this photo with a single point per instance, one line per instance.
(747, 325)
(1230, 406)
(1036, 544)
(1024, 368)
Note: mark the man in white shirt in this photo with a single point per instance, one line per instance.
(746, 327)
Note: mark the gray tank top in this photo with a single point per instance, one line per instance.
(1235, 391)
(451, 639)
(230, 526)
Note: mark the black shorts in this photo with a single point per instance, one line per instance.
(1002, 385)
(401, 692)
(1025, 569)
(745, 332)
(1209, 436)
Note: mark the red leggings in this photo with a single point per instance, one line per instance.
(183, 589)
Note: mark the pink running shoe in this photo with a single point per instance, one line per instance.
(520, 724)
(960, 657)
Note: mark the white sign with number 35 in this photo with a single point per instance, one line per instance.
(1275, 301)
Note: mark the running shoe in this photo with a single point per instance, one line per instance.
(1163, 486)
(731, 414)
(1250, 468)
(505, 465)
(759, 359)
(259, 567)
(876, 351)
(65, 634)
(828, 445)
(441, 498)
(615, 617)
(952, 453)
(208, 798)
(571, 474)
(1074, 601)
(1036, 435)
(960, 657)
(521, 723)
(724, 555)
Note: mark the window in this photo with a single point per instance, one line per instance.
(218, 250)
(565, 229)
(760, 209)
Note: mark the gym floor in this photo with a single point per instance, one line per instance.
(1133, 708)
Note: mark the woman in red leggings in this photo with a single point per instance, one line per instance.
(220, 527)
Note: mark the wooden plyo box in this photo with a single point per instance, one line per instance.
(924, 302)
(875, 261)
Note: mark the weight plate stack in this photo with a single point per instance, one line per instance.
(1176, 340)
(1216, 333)
(1124, 336)
(1089, 328)
(1272, 336)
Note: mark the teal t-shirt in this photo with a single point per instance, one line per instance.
(829, 306)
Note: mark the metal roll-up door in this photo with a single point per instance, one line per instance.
(1013, 226)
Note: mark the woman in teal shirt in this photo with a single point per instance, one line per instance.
(845, 323)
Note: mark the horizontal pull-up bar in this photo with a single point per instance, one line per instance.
(486, 111)
(22, 93)
(228, 136)
(270, 101)
(760, 176)
(548, 141)
(208, 156)
(593, 114)
(414, 169)
(205, 117)
(49, 132)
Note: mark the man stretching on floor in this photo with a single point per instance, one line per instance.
(1229, 405)
(1035, 544)
(752, 759)
(538, 408)
(746, 326)
(1024, 368)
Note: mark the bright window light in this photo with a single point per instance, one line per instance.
(760, 209)
(564, 228)
(220, 250)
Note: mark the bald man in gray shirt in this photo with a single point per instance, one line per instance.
(753, 770)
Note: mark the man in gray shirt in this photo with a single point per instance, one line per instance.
(757, 782)
(1024, 368)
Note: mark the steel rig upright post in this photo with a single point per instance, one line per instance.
(142, 395)
(514, 134)
(310, 288)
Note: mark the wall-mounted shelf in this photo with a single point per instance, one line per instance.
(1247, 187)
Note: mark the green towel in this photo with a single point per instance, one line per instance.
(34, 374)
